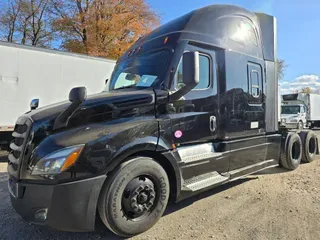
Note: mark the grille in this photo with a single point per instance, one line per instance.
(17, 146)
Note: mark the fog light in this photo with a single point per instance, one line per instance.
(41, 214)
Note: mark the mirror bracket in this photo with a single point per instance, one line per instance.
(76, 97)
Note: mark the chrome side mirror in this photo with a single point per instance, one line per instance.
(34, 104)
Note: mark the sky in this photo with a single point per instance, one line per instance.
(298, 33)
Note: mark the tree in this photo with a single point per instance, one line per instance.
(306, 90)
(8, 19)
(281, 68)
(116, 25)
(104, 28)
(40, 22)
(27, 22)
(71, 21)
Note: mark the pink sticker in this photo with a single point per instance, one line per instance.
(178, 134)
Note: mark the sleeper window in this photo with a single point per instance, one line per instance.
(255, 88)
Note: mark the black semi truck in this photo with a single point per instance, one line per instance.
(190, 106)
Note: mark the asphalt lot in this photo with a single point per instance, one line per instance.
(274, 204)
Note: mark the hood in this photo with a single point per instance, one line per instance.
(289, 115)
(106, 101)
(101, 107)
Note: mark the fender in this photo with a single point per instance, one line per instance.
(150, 146)
(139, 145)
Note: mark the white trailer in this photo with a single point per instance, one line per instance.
(28, 73)
(301, 110)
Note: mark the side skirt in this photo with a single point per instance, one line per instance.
(237, 178)
(208, 181)
(238, 173)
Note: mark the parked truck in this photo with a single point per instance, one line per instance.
(300, 110)
(191, 106)
(28, 73)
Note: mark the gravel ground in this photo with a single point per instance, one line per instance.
(274, 204)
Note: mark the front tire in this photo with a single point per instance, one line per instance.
(300, 125)
(134, 197)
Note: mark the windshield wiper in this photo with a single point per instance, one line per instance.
(123, 87)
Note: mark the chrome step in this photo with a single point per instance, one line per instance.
(201, 156)
(199, 152)
(204, 181)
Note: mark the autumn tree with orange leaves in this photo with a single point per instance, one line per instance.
(104, 28)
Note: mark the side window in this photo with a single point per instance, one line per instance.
(303, 110)
(255, 84)
(204, 80)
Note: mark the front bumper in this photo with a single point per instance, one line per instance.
(289, 125)
(70, 206)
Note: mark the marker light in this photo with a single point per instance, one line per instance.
(135, 50)
(165, 40)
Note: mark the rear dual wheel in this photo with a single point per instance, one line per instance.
(297, 148)
(291, 153)
(309, 143)
(135, 197)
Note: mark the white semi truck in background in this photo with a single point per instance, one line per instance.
(28, 73)
(300, 110)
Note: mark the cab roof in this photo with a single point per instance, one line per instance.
(216, 25)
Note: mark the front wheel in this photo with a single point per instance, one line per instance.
(134, 197)
(300, 125)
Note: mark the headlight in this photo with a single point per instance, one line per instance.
(58, 161)
(294, 120)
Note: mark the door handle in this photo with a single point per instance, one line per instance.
(213, 123)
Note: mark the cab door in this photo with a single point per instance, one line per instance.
(192, 121)
(194, 118)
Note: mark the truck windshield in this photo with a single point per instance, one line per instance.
(290, 109)
(140, 72)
